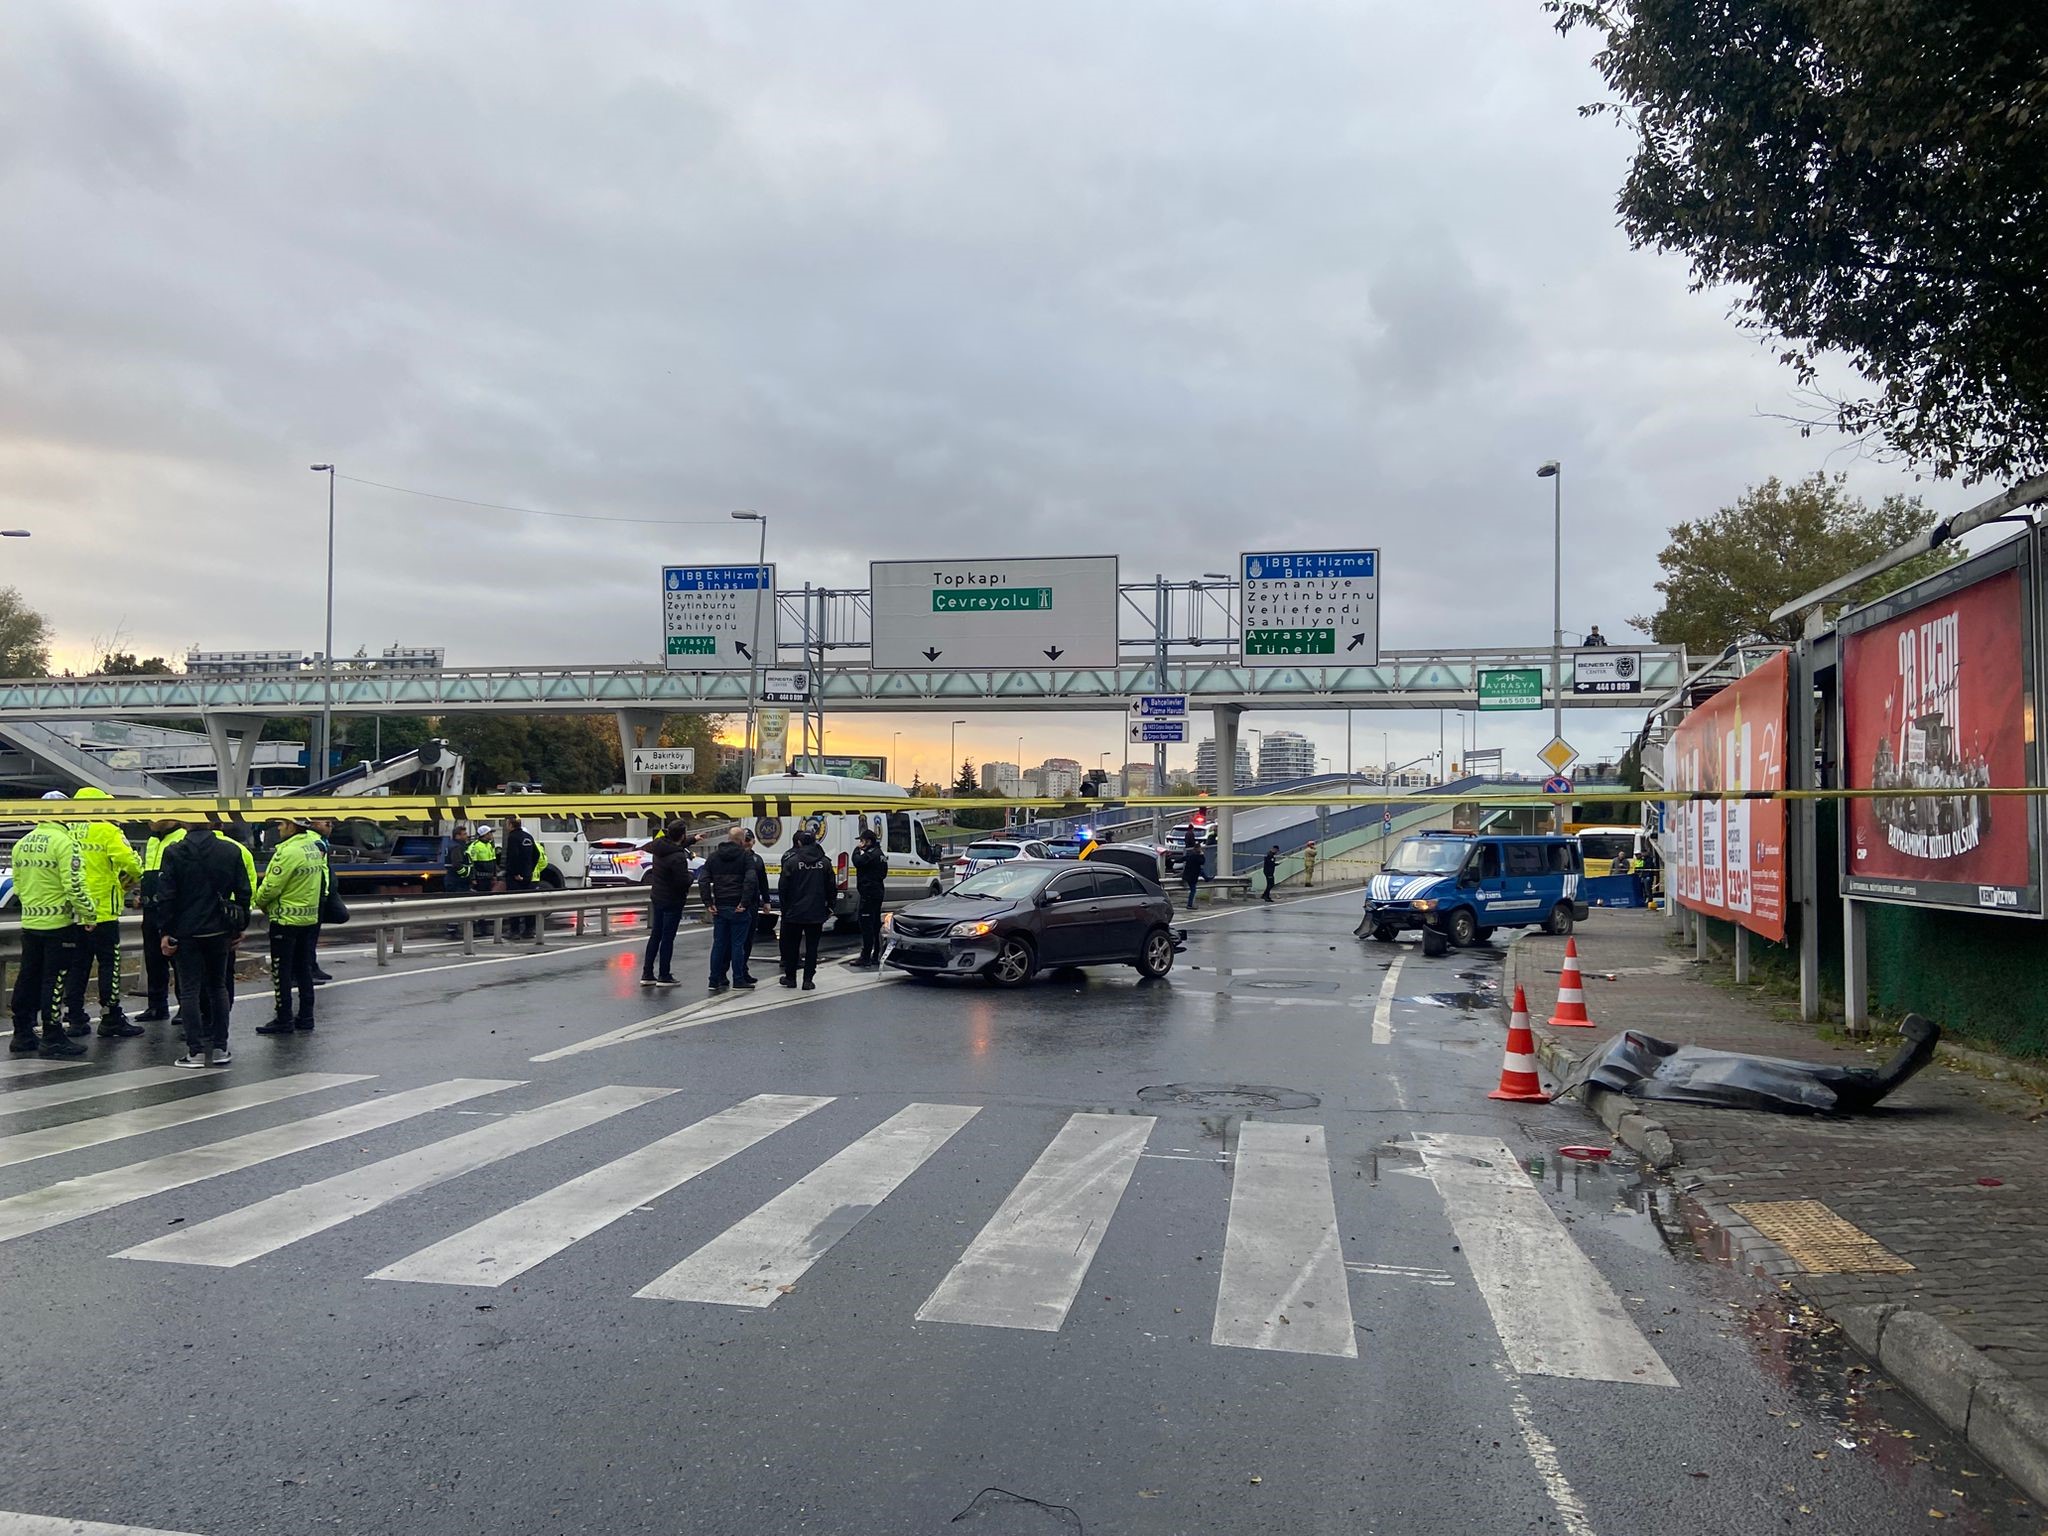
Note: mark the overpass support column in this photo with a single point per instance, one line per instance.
(1226, 784)
(638, 728)
(234, 739)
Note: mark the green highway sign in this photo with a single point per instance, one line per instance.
(1009, 600)
(1511, 688)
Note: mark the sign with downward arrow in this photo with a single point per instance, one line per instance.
(972, 614)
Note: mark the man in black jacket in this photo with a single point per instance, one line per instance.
(871, 875)
(731, 890)
(518, 856)
(668, 892)
(201, 905)
(755, 928)
(1271, 867)
(806, 894)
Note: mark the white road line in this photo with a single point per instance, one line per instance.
(92, 1193)
(26, 1146)
(1282, 1284)
(505, 1246)
(1571, 1510)
(72, 1089)
(760, 1257)
(24, 1066)
(1383, 1010)
(12, 1524)
(295, 1214)
(546, 952)
(1024, 1268)
(1554, 1313)
(736, 1004)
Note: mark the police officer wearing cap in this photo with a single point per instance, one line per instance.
(56, 916)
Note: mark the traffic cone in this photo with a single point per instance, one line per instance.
(1571, 993)
(1518, 1080)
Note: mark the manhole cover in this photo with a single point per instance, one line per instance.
(1228, 1096)
(1279, 986)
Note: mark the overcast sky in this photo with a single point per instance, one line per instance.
(1162, 280)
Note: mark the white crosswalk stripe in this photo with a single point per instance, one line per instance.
(759, 1258)
(92, 1193)
(1029, 1261)
(1283, 1284)
(1554, 1313)
(28, 1066)
(12, 1524)
(283, 1219)
(73, 1089)
(505, 1246)
(26, 1146)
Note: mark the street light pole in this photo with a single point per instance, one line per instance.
(953, 753)
(895, 754)
(754, 660)
(1553, 471)
(327, 682)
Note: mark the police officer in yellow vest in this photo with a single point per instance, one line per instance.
(56, 915)
(290, 893)
(156, 968)
(112, 872)
(483, 867)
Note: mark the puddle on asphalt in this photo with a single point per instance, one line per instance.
(1620, 1196)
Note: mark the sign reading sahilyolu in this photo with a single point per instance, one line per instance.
(1317, 604)
(712, 616)
(1058, 611)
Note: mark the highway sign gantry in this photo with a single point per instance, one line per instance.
(1317, 605)
(1058, 611)
(712, 616)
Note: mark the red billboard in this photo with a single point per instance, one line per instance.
(1937, 689)
(1728, 856)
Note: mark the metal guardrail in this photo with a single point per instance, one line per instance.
(386, 919)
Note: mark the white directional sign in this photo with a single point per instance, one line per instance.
(1152, 732)
(1605, 671)
(663, 760)
(786, 687)
(712, 614)
(994, 613)
(1316, 605)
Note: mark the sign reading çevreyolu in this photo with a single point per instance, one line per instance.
(1058, 611)
(1311, 605)
(1938, 691)
(1727, 857)
(1605, 671)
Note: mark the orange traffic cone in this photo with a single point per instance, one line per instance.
(1571, 993)
(1518, 1081)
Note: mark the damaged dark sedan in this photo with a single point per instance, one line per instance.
(1007, 923)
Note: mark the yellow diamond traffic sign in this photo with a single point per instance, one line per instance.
(1558, 754)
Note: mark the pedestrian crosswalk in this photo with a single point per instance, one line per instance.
(1283, 1285)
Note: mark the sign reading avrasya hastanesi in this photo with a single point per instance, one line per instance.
(1938, 688)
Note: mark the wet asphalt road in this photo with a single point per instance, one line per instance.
(294, 1393)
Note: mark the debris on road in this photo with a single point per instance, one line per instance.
(1640, 1066)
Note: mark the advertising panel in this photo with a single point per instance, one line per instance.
(1604, 671)
(1510, 688)
(1938, 698)
(845, 767)
(1727, 857)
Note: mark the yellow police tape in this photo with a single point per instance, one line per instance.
(438, 808)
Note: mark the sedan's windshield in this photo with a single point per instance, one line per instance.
(992, 852)
(1427, 856)
(1011, 882)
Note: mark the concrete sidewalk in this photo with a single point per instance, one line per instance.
(1948, 1179)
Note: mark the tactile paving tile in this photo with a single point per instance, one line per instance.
(1819, 1241)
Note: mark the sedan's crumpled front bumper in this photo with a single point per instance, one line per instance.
(938, 956)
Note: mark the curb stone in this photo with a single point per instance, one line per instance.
(2000, 1418)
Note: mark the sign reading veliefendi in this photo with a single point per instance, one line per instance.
(1058, 611)
(1311, 605)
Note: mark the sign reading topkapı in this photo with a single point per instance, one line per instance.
(1311, 605)
(1057, 611)
(711, 615)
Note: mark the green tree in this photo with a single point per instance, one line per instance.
(964, 782)
(1724, 574)
(700, 732)
(24, 637)
(1866, 175)
(128, 664)
(728, 780)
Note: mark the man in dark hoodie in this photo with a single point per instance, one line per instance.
(871, 879)
(668, 890)
(805, 891)
(731, 890)
(201, 901)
